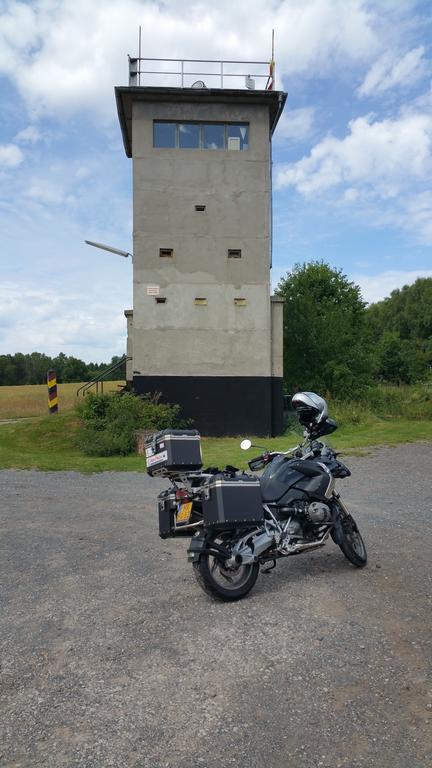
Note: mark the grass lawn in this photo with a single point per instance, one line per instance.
(32, 399)
(48, 444)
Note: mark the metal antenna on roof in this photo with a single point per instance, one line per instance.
(273, 63)
(271, 77)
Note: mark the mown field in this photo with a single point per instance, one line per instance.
(32, 399)
(390, 416)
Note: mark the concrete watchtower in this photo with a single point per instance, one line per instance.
(204, 330)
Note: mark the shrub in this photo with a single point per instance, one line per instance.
(110, 421)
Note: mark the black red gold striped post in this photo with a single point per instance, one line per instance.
(52, 391)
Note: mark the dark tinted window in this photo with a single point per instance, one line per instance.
(164, 135)
(214, 137)
(189, 136)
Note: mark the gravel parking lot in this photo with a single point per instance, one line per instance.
(111, 655)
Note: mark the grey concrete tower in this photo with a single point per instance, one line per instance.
(204, 331)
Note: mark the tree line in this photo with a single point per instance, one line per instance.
(32, 368)
(334, 343)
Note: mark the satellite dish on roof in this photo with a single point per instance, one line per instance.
(198, 84)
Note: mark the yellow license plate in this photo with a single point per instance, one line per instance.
(184, 512)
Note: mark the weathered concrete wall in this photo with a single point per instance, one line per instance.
(177, 337)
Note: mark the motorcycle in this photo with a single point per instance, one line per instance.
(240, 522)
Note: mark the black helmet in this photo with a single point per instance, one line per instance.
(311, 408)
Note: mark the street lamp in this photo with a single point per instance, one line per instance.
(109, 248)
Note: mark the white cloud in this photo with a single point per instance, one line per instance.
(381, 169)
(65, 56)
(377, 287)
(48, 192)
(81, 327)
(390, 71)
(10, 156)
(378, 157)
(30, 135)
(295, 125)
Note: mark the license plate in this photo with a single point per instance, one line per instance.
(184, 512)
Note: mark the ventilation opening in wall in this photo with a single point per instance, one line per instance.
(240, 302)
(165, 253)
(160, 299)
(200, 301)
(234, 253)
(200, 207)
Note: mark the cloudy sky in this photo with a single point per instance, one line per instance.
(352, 154)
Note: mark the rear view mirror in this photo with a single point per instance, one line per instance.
(245, 445)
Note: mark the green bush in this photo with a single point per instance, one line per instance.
(109, 421)
(384, 401)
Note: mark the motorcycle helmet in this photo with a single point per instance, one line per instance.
(311, 408)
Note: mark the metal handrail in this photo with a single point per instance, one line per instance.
(100, 376)
(135, 70)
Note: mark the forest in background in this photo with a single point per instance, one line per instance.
(337, 345)
(32, 368)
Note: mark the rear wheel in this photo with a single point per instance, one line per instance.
(348, 537)
(223, 582)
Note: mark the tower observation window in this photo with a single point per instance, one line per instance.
(237, 136)
(211, 136)
(164, 134)
(188, 135)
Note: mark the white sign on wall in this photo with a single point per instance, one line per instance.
(152, 290)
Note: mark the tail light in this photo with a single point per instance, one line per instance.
(182, 495)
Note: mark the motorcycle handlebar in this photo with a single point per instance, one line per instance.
(298, 451)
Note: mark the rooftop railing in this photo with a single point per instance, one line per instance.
(187, 73)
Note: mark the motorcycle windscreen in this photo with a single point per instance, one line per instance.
(277, 479)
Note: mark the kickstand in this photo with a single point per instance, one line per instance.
(267, 570)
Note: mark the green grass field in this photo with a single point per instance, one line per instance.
(48, 444)
(32, 399)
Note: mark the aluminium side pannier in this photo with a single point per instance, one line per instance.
(232, 502)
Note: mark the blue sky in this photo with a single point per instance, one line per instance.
(352, 154)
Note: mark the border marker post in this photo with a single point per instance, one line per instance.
(52, 391)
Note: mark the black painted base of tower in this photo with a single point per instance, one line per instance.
(222, 405)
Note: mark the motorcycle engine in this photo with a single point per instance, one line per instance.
(316, 512)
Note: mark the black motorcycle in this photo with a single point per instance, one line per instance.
(239, 521)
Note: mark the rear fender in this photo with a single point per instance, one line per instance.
(201, 544)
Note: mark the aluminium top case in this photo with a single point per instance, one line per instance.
(173, 451)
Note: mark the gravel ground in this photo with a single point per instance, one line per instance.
(113, 656)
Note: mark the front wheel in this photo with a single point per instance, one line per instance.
(347, 536)
(224, 582)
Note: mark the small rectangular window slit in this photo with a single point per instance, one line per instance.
(200, 301)
(160, 299)
(166, 253)
(234, 253)
(240, 302)
(200, 207)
